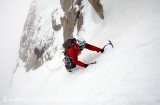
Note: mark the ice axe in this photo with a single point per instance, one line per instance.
(92, 63)
(110, 43)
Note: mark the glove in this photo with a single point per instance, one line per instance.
(101, 50)
(86, 65)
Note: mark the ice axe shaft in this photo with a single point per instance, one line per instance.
(93, 63)
(110, 43)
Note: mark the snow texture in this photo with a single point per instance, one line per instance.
(125, 75)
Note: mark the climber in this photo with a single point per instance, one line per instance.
(73, 48)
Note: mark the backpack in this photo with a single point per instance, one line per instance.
(68, 43)
(68, 62)
(67, 59)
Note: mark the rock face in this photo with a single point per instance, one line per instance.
(80, 21)
(66, 4)
(25, 52)
(71, 16)
(68, 23)
(54, 24)
(37, 41)
(97, 7)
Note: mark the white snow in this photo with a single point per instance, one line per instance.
(125, 75)
(13, 14)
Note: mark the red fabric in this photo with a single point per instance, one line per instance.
(74, 51)
(91, 47)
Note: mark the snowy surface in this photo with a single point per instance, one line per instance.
(125, 75)
(13, 14)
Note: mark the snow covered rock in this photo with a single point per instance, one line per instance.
(38, 33)
(72, 15)
(44, 20)
(54, 23)
(125, 75)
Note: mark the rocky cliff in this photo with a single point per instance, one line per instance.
(37, 41)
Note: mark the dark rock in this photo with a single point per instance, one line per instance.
(39, 52)
(54, 24)
(66, 4)
(68, 23)
(78, 2)
(56, 27)
(70, 18)
(80, 22)
(97, 7)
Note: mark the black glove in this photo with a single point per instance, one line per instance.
(101, 50)
(85, 65)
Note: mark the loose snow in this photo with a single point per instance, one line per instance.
(125, 75)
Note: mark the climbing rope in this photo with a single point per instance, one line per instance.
(52, 69)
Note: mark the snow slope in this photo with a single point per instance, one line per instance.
(125, 75)
(12, 18)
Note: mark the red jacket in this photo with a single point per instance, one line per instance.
(74, 51)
